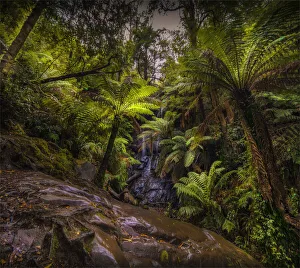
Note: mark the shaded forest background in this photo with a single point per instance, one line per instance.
(219, 95)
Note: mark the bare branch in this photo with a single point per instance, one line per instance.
(165, 9)
(80, 74)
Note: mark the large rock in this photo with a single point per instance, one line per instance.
(86, 171)
(150, 189)
(23, 152)
(46, 222)
(153, 191)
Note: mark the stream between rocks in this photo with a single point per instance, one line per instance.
(46, 222)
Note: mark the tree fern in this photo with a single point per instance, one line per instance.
(124, 99)
(196, 186)
(242, 58)
(190, 211)
(196, 193)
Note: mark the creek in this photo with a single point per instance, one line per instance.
(46, 222)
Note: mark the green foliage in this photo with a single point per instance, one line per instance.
(237, 56)
(80, 121)
(181, 151)
(196, 193)
(269, 236)
(294, 200)
(254, 226)
(126, 98)
(120, 161)
(17, 101)
(123, 100)
(91, 151)
(199, 186)
(157, 129)
(281, 110)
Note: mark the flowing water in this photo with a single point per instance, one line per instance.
(149, 188)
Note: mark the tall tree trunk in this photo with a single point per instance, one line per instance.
(200, 111)
(19, 41)
(220, 115)
(146, 65)
(257, 132)
(100, 176)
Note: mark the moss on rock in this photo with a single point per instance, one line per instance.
(23, 152)
(164, 256)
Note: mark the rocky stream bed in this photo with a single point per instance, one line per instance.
(46, 222)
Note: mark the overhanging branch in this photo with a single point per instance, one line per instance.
(80, 74)
(166, 9)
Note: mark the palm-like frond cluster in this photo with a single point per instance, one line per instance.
(84, 117)
(242, 59)
(126, 98)
(282, 114)
(156, 130)
(249, 57)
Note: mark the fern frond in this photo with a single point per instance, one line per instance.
(228, 225)
(189, 211)
(224, 179)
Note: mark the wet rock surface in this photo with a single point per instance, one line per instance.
(86, 171)
(46, 222)
(150, 189)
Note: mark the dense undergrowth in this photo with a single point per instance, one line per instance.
(222, 107)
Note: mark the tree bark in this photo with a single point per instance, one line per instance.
(200, 111)
(80, 74)
(270, 184)
(100, 176)
(146, 64)
(19, 41)
(215, 103)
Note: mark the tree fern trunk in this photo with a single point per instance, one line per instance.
(19, 41)
(200, 111)
(257, 133)
(215, 103)
(100, 176)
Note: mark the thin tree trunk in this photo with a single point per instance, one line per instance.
(19, 41)
(146, 64)
(201, 108)
(272, 187)
(100, 177)
(200, 111)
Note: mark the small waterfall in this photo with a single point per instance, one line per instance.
(155, 146)
(155, 155)
(143, 147)
(147, 169)
(149, 188)
(160, 113)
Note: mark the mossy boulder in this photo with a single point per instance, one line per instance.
(23, 152)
